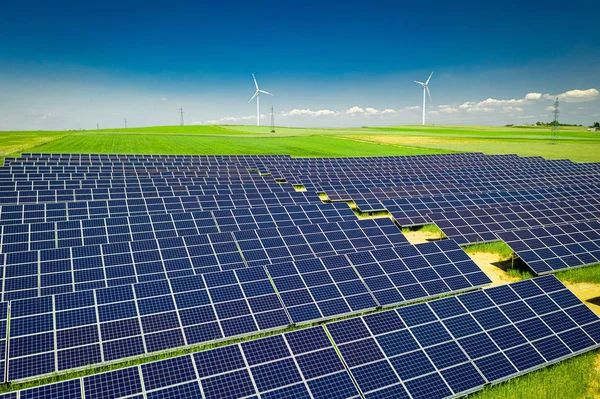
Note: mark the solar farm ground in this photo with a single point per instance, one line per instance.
(577, 377)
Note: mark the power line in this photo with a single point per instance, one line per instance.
(181, 112)
(555, 112)
(272, 120)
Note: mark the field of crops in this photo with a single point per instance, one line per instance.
(574, 142)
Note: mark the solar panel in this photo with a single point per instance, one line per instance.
(457, 345)
(553, 248)
(61, 332)
(301, 364)
(473, 225)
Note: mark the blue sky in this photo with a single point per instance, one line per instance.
(67, 64)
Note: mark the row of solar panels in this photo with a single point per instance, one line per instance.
(472, 225)
(294, 169)
(445, 348)
(49, 212)
(315, 173)
(28, 237)
(84, 182)
(95, 194)
(50, 271)
(416, 211)
(63, 332)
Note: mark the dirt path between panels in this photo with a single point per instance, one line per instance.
(419, 237)
(495, 269)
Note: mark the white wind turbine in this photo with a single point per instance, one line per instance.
(257, 95)
(425, 88)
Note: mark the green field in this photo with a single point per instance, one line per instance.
(575, 378)
(574, 142)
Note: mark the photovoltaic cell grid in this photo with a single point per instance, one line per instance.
(270, 249)
(62, 332)
(95, 194)
(31, 237)
(61, 211)
(453, 346)
(301, 364)
(444, 348)
(553, 248)
(55, 271)
(474, 225)
(417, 210)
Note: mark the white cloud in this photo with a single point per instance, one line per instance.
(448, 109)
(533, 96)
(371, 111)
(550, 108)
(480, 109)
(164, 99)
(433, 112)
(307, 111)
(575, 96)
(510, 108)
(411, 108)
(388, 111)
(240, 118)
(355, 110)
(508, 105)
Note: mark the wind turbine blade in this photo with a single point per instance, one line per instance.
(427, 82)
(255, 84)
(266, 92)
(255, 94)
(421, 83)
(427, 87)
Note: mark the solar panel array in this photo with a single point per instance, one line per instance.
(547, 249)
(444, 348)
(470, 226)
(111, 257)
(457, 345)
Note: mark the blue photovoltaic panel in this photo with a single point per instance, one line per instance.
(553, 248)
(18, 238)
(121, 263)
(453, 346)
(273, 367)
(472, 225)
(432, 350)
(91, 327)
(104, 222)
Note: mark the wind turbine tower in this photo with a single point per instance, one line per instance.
(257, 96)
(425, 89)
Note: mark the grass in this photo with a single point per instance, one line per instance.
(574, 143)
(496, 247)
(518, 269)
(429, 228)
(575, 378)
(587, 274)
(302, 146)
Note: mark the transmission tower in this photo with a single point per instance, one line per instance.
(181, 113)
(272, 121)
(555, 112)
(125, 123)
